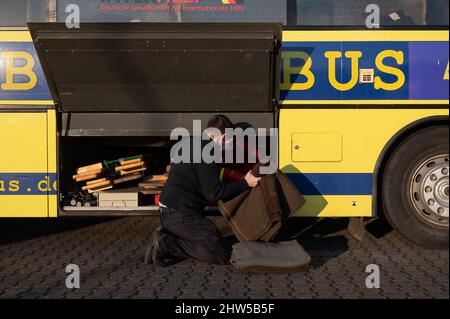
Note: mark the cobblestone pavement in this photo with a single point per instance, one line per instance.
(109, 252)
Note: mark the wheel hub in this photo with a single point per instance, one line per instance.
(430, 190)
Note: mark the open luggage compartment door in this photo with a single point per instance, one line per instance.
(161, 67)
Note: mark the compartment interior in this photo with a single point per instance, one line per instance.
(90, 138)
(76, 152)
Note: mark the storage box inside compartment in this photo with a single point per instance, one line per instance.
(116, 173)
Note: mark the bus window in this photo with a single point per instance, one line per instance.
(402, 13)
(177, 10)
(16, 13)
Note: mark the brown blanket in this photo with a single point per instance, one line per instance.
(259, 214)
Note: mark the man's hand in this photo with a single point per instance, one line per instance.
(251, 180)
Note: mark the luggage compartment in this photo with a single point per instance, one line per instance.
(91, 138)
(116, 195)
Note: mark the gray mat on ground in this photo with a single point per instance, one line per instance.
(259, 256)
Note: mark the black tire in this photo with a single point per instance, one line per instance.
(401, 173)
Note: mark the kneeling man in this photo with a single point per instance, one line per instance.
(186, 232)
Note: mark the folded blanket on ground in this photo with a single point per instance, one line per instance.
(269, 257)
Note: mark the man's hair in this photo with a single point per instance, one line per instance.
(220, 122)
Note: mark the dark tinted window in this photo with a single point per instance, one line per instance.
(353, 12)
(173, 11)
(16, 13)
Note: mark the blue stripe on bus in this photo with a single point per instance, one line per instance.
(333, 183)
(308, 184)
(28, 184)
(424, 66)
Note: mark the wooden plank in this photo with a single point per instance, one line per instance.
(133, 161)
(98, 171)
(89, 168)
(98, 190)
(96, 181)
(108, 182)
(153, 182)
(158, 178)
(127, 178)
(124, 172)
(151, 192)
(150, 186)
(150, 189)
(87, 177)
(125, 167)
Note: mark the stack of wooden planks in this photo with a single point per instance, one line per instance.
(103, 176)
(94, 177)
(152, 185)
(98, 185)
(130, 169)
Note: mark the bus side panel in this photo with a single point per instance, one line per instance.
(365, 67)
(330, 154)
(52, 158)
(24, 179)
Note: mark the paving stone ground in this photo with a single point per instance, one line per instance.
(34, 255)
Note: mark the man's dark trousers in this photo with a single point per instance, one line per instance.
(186, 235)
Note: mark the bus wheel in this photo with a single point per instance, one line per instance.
(415, 188)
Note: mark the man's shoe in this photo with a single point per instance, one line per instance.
(148, 255)
(152, 249)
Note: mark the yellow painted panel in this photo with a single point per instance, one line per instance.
(336, 206)
(27, 102)
(52, 159)
(53, 206)
(365, 35)
(51, 142)
(23, 142)
(23, 164)
(364, 102)
(23, 206)
(365, 133)
(15, 36)
(341, 35)
(316, 147)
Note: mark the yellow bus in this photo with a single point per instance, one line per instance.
(357, 89)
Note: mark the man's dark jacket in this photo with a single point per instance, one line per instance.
(191, 186)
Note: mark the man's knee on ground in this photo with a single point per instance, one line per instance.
(215, 254)
(218, 258)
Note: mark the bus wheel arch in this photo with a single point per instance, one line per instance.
(402, 143)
